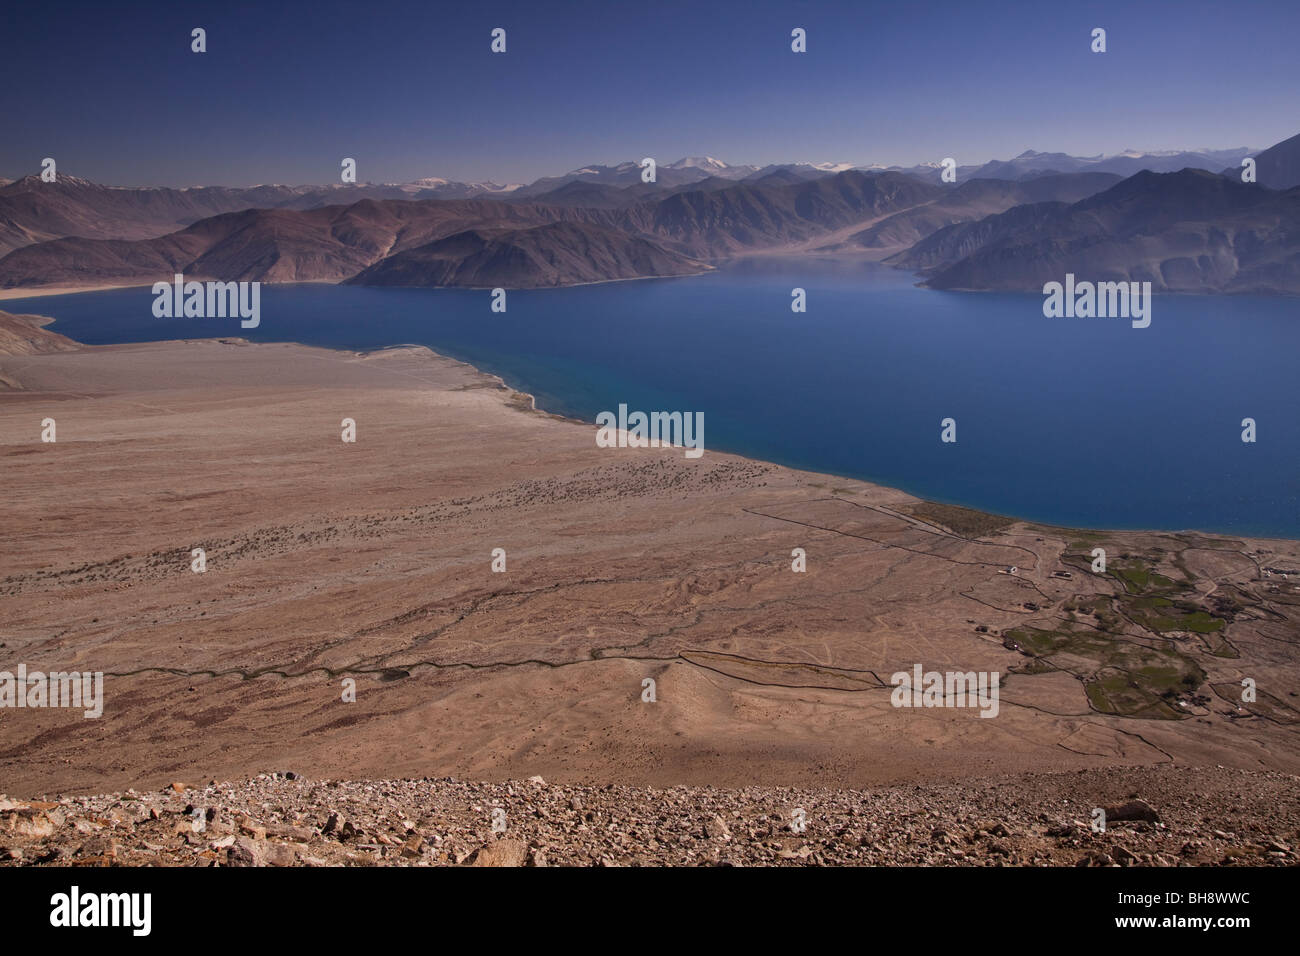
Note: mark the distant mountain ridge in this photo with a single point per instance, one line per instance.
(671, 235)
(1278, 167)
(553, 254)
(273, 245)
(33, 211)
(972, 200)
(1031, 164)
(1189, 230)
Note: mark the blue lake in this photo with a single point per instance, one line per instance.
(1076, 422)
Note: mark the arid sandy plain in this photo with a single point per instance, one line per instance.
(372, 561)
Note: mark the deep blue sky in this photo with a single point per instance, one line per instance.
(410, 89)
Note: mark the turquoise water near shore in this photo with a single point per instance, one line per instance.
(1075, 422)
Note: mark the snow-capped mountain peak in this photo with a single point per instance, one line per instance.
(699, 162)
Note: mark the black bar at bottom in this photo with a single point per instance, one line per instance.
(338, 906)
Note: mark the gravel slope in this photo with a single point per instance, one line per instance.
(1176, 817)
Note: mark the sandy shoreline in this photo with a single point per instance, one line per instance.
(372, 562)
(37, 292)
(530, 399)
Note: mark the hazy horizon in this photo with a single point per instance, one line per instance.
(434, 174)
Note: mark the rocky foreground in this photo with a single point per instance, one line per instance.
(1161, 816)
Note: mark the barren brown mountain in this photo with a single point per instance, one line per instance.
(1189, 231)
(661, 237)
